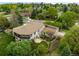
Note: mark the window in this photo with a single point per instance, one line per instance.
(25, 37)
(30, 35)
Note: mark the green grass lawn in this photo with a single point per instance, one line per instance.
(5, 39)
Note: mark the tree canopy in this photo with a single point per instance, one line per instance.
(68, 19)
(52, 13)
(20, 48)
(69, 44)
(39, 49)
(5, 39)
(4, 23)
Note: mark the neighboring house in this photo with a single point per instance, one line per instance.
(2, 12)
(8, 31)
(30, 30)
(24, 14)
(9, 17)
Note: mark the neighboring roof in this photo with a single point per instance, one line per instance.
(50, 29)
(25, 14)
(8, 30)
(28, 28)
(2, 12)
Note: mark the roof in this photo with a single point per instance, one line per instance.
(25, 14)
(2, 12)
(28, 28)
(50, 29)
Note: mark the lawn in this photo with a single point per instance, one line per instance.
(5, 39)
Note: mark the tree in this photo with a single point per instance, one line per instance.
(52, 13)
(68, 19)
(4, 23)
(40, 49)
(74, 8)
(15, 19)
(70, 42)
(20, 48)
(44, 13)
(19, 18)
(34, 13)
(5, 39)
(76, 50)
(5, 8)
(65, 8)
(20, 5)
(64, 49)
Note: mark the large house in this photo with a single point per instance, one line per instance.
(33, 29)
(30, 30)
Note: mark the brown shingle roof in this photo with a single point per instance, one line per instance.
(50, 29)
(29, 28)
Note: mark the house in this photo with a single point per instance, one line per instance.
(24, 14)
(2, 12)
(30, 30)
(33, 29)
